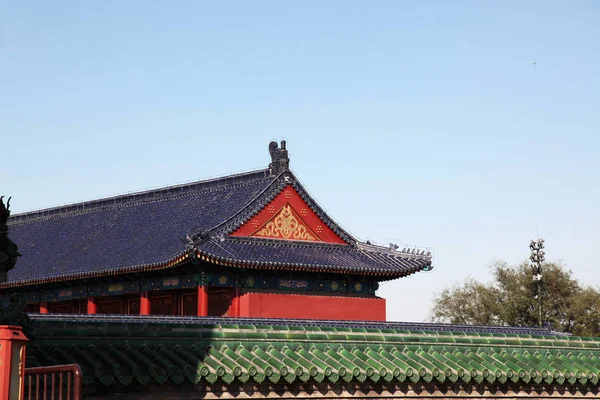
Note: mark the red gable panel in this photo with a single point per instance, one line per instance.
(288, 217)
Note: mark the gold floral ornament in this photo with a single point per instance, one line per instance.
(285, 225)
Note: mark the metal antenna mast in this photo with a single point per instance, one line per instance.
(537, 257)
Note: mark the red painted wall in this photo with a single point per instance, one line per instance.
(269, 305)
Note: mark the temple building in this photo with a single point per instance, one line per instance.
(242, 287)
(249, 245)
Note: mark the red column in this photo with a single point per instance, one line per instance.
(91, 305)
(202, 301)
(43, 307)
(144, 304)
(235, 303)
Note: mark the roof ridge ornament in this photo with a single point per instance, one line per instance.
(280, 161)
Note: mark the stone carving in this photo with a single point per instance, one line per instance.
(12, 307)
(8, 249)
(4, 210)
(12, 310)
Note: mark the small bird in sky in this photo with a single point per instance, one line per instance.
(534, 65)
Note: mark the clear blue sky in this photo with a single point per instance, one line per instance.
(418, 122)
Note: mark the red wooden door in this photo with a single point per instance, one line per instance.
(189, 303)
(162, 304)
(109, 306)
(62, 307)
(133, 305)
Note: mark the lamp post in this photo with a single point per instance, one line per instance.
(537, 257)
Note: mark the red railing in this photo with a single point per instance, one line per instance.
(59, 382)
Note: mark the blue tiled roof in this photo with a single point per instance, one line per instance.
(157, 227)
(138, 229)
(358, 259)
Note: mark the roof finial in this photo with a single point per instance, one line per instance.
(279, 158)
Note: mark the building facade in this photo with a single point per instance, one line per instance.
(250, 245)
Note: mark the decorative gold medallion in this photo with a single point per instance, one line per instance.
(285, 225)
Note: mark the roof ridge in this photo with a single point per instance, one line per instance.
(359, 246)
(270, 187)
(276, 324)
(322, 213)
(136, 197)
(303, 243)
(287, 242)
(394, 252)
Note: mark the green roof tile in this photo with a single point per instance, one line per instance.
(129, 353)
(337, 369)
